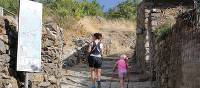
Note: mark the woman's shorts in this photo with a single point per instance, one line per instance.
(95, 62)
(122, 75)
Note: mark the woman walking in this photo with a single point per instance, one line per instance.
(95, 59)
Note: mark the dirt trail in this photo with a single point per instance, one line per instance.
(78, 77)
(119, 38)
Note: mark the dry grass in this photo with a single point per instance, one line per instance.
(111, 29)
(98, 24)
(89, 25)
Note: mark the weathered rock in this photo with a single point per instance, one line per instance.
(79, 42)
(5, 76)
(4, 38)
(2, 48)
(44, 84)
(4, 58)
(12, 21)
(52, 79)
(9, 85)
(48, 43)
(39, 77)
(14, 82)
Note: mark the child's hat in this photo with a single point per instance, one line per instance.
(123, 56)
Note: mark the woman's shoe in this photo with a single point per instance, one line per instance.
(98, 84)
(92, 86)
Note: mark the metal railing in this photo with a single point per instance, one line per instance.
(4, 11)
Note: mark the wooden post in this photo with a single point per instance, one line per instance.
(1, 11)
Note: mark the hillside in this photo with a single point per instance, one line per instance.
(118, 38)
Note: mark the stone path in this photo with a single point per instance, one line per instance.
(78, 77)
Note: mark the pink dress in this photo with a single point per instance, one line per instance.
(122, 68)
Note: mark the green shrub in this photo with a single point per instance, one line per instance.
(62, 10)
(162, 32)
(126, 10)
(10, 5)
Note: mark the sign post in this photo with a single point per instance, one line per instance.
(29, 38)
(26, 79)
(1, 11)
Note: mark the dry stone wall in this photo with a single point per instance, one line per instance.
(52, 51)
(8, 54)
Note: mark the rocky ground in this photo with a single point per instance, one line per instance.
(78, 77)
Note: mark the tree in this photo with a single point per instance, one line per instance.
(74, 8)
(126, 9)
(91, 8)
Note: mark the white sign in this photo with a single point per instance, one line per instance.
(29, 36)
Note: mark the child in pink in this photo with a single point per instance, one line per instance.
(122, 68)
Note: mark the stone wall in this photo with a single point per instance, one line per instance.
(167, 63)
(52, 51)
(174, 61)
(177, 57)
(190, 48)
(149, 18)
(8, 54)
(140, 42)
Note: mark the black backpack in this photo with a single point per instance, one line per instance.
(96, 50)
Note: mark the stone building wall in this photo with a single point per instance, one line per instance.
(177, 57)
(167, 63)
(174, 61)
(190, 50)
(140, 40)
(149, 18)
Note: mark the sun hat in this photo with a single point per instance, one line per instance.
(123, 56)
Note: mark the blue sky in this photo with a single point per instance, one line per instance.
(109, 3)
